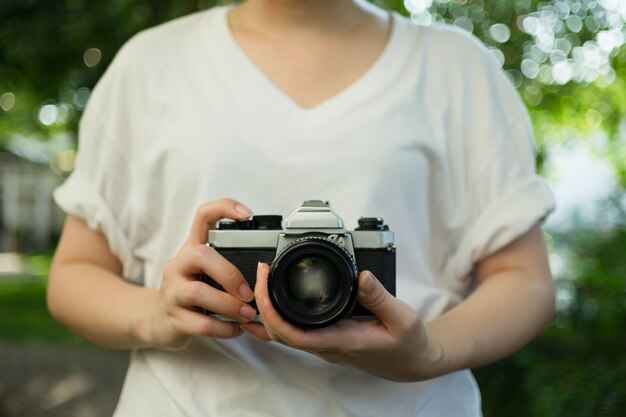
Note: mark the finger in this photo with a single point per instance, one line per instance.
(257, 330)
(193, 323)
(209, 214)
(373, 296)
(327, 338)
(205, 259)
(199, 294)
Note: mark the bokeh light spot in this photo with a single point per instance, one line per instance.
(498, 56)
(47, 114)
(80, 97)
(64, 161)
(593, 118)
(500, 32)
(92, 57)
(562, 72)
(417, 6)
(530, 68)
(423, 19)
(464, 22)
(574, 23)
(7, 101)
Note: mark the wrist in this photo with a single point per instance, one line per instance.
(139, 323)
(430, 363)
(446, 353)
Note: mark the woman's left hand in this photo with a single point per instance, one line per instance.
(394, 345)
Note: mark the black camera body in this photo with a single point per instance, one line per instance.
(313, 279)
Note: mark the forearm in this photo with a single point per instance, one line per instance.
(87, 294)
(498, 318)
(98, 305)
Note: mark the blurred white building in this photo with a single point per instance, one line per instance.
(29, 218)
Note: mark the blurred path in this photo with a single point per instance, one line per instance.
(59, 380)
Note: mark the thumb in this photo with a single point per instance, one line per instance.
(373, 296)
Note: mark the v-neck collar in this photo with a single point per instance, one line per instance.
(253, 79)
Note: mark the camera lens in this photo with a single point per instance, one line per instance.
(313, 282)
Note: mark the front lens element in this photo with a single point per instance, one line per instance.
(313, 283)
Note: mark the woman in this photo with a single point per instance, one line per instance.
(273, 102)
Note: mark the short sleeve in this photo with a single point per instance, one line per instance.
(100, 189)
(504, 196)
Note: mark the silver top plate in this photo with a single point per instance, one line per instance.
(269, 238)
(314, 215)
(244, 238)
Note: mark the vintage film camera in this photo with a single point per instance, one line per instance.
(314, 260)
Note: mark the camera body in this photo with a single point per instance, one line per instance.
(313, 279)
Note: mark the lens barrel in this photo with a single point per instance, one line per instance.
(313, 282)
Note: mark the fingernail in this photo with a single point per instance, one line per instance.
(247, 312)
(245, 292)
(243, 210)
(367, 285)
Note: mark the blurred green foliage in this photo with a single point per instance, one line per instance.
(578, 367)
(567, 57)
(51, 55)
(24, 316)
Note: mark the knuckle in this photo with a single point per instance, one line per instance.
(206, 326)
(200, 256)
(193, 292)
(225, 201)
(169, 268)
(232, 276)
(198, 253)
(169, 281)
(202, 209)
(182, 260)
(169, 299)
(205, 212)
(206, 209)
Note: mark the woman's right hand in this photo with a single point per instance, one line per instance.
(174, 314)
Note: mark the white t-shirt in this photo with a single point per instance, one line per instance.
(433, 138)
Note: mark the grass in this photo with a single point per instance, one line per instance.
(24, 316)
